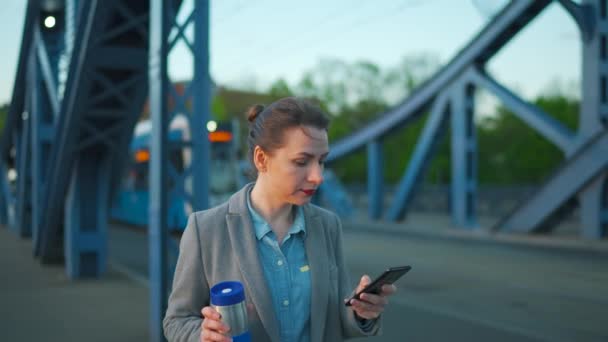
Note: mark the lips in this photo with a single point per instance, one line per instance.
(309, 192)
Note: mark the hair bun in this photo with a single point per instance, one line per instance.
(254, 111)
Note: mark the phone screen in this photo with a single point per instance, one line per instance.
(389, 276)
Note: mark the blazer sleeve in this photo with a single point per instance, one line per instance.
(190, 292)
(351, 327)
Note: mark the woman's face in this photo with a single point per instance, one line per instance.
(294, 171)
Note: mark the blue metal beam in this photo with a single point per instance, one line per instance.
(420, 159)
(159, 206)
(45, 108)
(23, 222)
(594, 107)
(48, 70)
(496, 34)
(201, 107)
(464, 157)
(375, 179)
(7, 203)
(592, 207)
(162, 18)
(8, 195)
(107, 75)
(583, 16)
(546, 125)
(586, 164)
(86, 216)
(594, 75)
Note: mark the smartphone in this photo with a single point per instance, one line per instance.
(387, 277)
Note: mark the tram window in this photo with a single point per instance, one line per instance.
(139, 172)
(177, 159)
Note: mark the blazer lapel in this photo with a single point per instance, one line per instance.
(244, 245)
(316, 252)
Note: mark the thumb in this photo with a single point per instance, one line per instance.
(365, 280)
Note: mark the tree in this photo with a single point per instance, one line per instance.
(280, 89)
(355, 94)
(511, 152)
(3, 115)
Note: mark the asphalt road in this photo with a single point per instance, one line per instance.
(459, 290)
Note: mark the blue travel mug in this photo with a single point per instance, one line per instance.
(228, 298)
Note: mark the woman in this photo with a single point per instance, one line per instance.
(287, 253)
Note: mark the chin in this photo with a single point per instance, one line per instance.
(300, 200)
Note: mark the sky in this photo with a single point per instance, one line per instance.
(255, 42)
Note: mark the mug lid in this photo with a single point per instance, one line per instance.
(227, 293)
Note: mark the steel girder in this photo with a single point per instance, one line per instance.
(543, 123)
(540, 212)
(592, 19)
(50, 45)
(496, 34)
(424, 146)
(23, 223)
(158, 235)
(5, 197)
(584, 174)
(375, 176)
(104, 94)
(163, 18)
(503, 27)
(463, 195)
(466, 69)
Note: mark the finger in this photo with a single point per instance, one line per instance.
(364, 313)
(209, 335)
(388, 290)
(365, 280)
(211, 313)
(216, 326)
(373, 299)
(366, 308)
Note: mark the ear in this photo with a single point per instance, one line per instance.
(260, 159)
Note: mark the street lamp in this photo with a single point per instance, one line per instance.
(49, 21)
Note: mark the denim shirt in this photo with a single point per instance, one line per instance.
(287, 274)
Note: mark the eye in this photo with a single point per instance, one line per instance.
(300, 162)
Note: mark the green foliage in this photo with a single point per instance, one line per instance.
(3, 114)
(512, 152)
(218, 109)
(280, 89)
(353, 168)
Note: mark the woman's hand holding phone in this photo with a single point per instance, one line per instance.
(370, 297)
(370, 305)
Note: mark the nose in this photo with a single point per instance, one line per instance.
(315, 176)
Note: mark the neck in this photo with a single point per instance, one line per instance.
(277, 213)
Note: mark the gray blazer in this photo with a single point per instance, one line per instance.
(219, 244)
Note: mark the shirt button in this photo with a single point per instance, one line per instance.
(285, 302)
(280, 262)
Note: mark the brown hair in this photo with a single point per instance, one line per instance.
(267, 124)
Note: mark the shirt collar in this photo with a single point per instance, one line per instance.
(262, 227)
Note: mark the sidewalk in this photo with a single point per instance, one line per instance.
(39, 303)
(439, 226)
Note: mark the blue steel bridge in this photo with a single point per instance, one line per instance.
(86, 68)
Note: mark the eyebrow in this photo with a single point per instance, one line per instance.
(306, 154)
